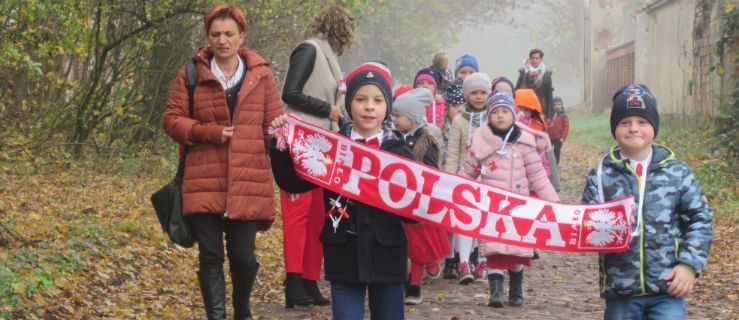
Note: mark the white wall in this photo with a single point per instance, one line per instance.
(667, 65)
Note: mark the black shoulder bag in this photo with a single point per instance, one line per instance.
(167, 201)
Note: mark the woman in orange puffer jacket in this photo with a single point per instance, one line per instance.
(227, 186)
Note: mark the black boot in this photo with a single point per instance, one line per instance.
(295, 292)
(213, 288)
(473, 257)
(536, 255)
(450, 267)
(413, 294)
(515, 291)
(496, 282)
(243, 283)
(311, 288)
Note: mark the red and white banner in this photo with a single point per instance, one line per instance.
(410, 189)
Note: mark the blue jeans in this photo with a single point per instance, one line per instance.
(654, 307)
(386, 301)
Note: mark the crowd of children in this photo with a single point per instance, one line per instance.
(490, 131)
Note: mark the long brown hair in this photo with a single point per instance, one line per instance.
(336, 24)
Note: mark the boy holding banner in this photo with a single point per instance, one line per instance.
(365, 248)
(673, 228)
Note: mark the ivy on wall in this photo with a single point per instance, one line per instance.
(727, 49)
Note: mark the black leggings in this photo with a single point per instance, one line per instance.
(240, 242)
(557, 144)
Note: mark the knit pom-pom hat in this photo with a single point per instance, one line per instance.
(502, 99)
(370, 73)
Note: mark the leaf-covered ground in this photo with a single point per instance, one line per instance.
(83, 244)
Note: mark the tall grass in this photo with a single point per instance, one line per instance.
(592, 130)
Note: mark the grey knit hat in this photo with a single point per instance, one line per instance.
(412, 104)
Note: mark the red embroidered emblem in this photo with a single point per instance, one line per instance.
(493, 166)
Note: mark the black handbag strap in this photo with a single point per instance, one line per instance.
(191, 81)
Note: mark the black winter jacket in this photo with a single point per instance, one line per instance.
(301, 67)
(370, 246)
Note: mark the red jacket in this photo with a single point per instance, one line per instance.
(558, 126)
(233, 176)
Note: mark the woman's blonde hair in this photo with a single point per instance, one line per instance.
(438, 61)
(336, 24)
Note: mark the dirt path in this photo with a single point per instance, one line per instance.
(557, 286)
(108, 259)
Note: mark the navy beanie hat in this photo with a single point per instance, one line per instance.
(428, 74)
(370, 73)
(634, 100)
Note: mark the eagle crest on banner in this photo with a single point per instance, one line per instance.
(604, 228)
(312, 153)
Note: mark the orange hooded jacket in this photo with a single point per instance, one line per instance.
(526, 98)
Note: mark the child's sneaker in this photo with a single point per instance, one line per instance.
(480, 272)
(433, 271)
(465, 276)
(413, 294)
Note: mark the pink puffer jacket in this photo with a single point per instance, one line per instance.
(517, 169)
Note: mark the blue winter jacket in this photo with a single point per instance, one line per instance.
(677, 225)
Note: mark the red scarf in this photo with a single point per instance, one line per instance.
(413, 190)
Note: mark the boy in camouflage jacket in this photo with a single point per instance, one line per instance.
(672, 224)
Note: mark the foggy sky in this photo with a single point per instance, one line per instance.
(501, 50)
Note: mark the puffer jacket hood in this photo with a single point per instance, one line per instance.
(527, 98)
